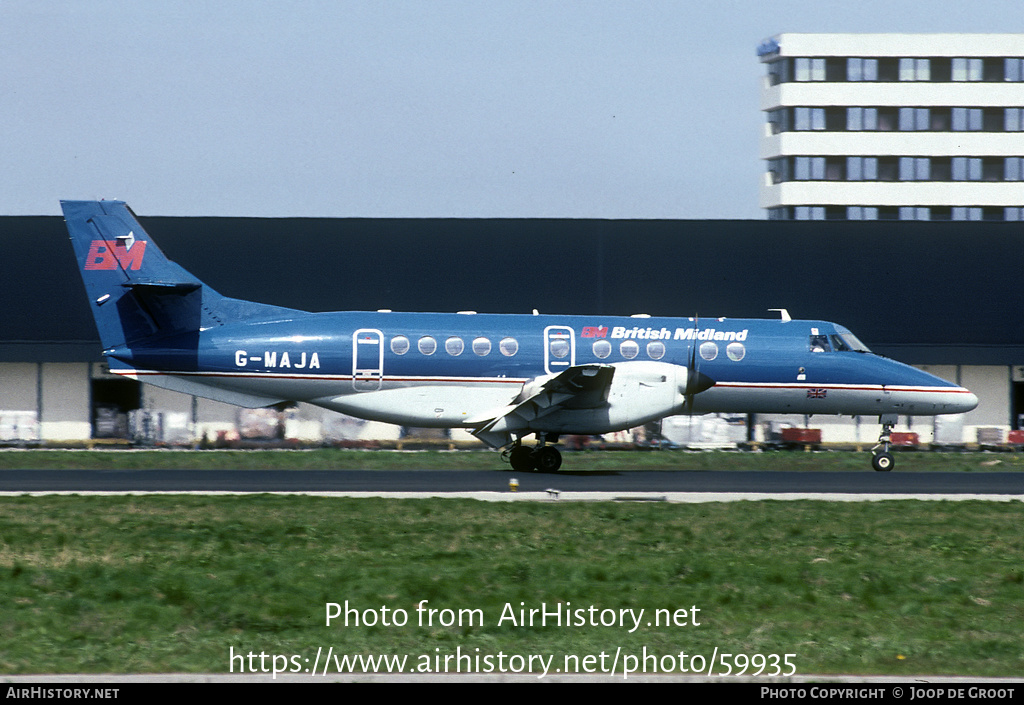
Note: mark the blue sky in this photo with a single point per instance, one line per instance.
(486, 108)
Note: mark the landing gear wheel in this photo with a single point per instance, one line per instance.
(521, 459)
(882, 462)
(548, 459)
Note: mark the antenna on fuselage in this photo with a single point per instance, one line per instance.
(786, 318)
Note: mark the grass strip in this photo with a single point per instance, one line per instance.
(173, 583)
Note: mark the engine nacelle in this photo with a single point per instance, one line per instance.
(640, 392)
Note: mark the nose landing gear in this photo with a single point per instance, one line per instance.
(882, 460)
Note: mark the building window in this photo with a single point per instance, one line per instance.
(861, 69)
(993, 169)
(915, 70)
(1013, 69)
(966, 169)
(862, 168)
(888, 119)
(915, 213)
(778, 72)
(809, 69)
(888, 69)
(778, 120)
(1014, 169)
(861, 119)
(808, 119)
(809, 168)
(778, 169)
(941, 119)
(967, 119)
(942, 170)
(809, 212)
(888, 169)
(966, 213)
(914, 119)
(915, 169)
(861, 213)
(967, 69)
(1013, 120)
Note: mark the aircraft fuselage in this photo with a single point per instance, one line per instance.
(446, 370)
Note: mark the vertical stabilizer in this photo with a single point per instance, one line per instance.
(135, 293)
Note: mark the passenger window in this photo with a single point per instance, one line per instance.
(399, 345)
(656, 350)
(602, 349)
(454, 346)
(629, 349)
(736, 351)
(559, 347)
(482, 346)
(709, 351)
(427, 345)
(508, 346)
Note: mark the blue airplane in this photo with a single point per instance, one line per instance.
(503, 377)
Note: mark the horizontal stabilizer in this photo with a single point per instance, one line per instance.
(181, 287)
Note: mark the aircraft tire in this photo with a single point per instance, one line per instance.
(521, 459)
(548, 459)
(882, 462)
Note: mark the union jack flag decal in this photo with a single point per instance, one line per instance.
(816, 393)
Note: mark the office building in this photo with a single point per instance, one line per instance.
(893, 127)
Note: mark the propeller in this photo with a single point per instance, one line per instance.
(696, 381)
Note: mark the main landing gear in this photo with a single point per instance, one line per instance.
(882, 460)
(543, 458)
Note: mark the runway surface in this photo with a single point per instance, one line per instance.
(652, 485)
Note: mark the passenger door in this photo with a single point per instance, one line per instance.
(559, 349)
(367, 359)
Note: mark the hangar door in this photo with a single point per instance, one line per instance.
(111, 398)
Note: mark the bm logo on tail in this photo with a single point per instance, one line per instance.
(125, 253)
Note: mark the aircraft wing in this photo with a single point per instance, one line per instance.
(579, 387)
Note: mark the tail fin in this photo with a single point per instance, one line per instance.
(136, 294)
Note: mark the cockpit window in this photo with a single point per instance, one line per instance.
(851, 342)
(819, 343)
(840, 341)
(839, 344)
